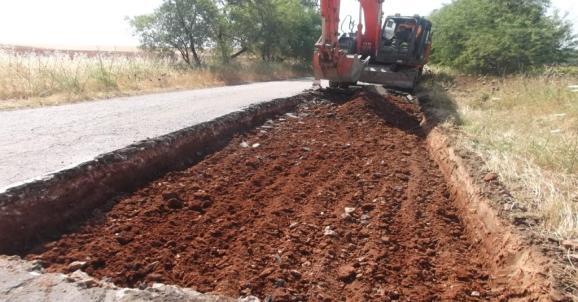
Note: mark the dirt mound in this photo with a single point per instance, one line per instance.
(334, 202)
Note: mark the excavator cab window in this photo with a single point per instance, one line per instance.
(404, 34)
(389, 29)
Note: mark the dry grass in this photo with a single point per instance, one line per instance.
(33, 79)
(526, 129)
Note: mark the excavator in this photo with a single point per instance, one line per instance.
(390, 52)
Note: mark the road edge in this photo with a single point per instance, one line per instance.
(39, 210)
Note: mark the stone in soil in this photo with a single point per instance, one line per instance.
(346, 273)
(490, 177)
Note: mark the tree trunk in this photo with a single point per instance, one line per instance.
(196, 56)
(185, 56)
(238, 53)
(184, 51)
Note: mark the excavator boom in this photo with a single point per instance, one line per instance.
(369, 39)
(330, 61)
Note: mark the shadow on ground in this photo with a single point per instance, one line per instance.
(435, 100)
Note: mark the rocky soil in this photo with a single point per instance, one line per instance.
(338, 201)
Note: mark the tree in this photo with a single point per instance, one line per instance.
(499, 36)
(276, 29)
(303, 26)
(273, 29)
(182, 25)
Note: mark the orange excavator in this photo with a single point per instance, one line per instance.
(390, 52)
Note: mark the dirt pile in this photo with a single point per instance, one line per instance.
(333, 202)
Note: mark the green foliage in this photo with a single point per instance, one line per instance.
(272, 29)
(574, 58)
(276, 29)
(499, 36)
(181, 25)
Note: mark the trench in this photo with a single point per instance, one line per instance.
(341, 199)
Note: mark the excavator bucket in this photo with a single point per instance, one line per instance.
(345, 69)
(386, 75)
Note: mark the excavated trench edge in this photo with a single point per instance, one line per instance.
(37, 211)
(30, 208)
(517, 264)
(522, 265)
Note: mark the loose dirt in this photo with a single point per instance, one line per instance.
(335, 202)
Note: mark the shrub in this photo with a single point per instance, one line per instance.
(499, 36)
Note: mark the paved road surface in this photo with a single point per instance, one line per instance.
(36, 142)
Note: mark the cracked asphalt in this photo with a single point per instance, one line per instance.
(37, 142)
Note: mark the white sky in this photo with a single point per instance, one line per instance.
(102, 22)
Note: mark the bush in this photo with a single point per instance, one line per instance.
(499, 36)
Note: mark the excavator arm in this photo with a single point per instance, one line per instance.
(367, 42)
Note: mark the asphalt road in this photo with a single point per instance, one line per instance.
(37, 142)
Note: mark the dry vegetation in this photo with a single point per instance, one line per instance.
(526, 129)
(40, 78)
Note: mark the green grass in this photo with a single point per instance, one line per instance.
(526, 129)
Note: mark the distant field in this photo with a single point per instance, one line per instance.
(35, 76)
(89, 51)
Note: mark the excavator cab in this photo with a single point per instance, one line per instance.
(405, 40)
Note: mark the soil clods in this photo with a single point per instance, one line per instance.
(334, 202)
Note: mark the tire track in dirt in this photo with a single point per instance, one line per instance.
(338, 202)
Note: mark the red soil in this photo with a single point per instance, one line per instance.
(271, 220)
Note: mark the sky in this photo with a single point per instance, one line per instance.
(77, 23)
